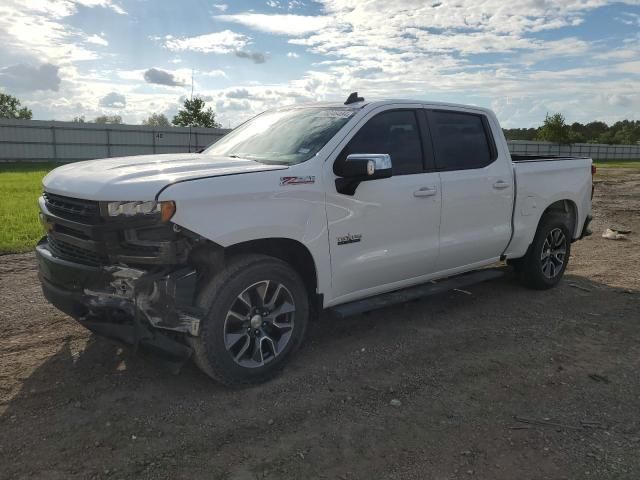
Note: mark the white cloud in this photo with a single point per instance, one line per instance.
(213, 73)
(217, 42)
(567, 47)
(629, 18)
(54, 41)
(102, 3)
(97, 40)
(280, 24)
(238, 93)
(404, 48)
(410, 48)
(628, 67)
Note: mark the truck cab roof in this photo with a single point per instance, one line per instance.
(392, 101)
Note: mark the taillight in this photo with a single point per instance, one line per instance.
(593, 169)
(593, 172)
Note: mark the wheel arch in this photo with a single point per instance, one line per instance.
(293, 252)
(210, 257)
(567, 208)
(528, 230)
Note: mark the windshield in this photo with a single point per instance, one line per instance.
(283, 136)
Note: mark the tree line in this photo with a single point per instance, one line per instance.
(194, 113)
(556, 130)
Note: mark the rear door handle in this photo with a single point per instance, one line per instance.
(425, 192)
(500, 185)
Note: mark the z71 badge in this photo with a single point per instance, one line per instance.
(349, 238)
(297, 180)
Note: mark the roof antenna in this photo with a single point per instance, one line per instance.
(353, 98)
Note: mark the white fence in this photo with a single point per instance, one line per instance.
(596, 151)
(37, 141)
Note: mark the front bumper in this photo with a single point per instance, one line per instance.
(147, 308)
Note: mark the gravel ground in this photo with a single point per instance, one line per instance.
(504, 383)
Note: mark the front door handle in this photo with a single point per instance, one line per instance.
(500, 185)
(425, 192)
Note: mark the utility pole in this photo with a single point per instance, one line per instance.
(191, 122)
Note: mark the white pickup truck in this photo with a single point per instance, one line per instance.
(226, 255)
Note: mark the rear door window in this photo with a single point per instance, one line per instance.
(461, 141)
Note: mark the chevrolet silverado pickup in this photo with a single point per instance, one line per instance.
(226, 255)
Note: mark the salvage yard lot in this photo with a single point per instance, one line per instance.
(501, 383)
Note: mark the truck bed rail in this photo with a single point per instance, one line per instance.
(543, 158)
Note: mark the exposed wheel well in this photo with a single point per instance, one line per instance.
(290, 251)
(566, 208)
(208, 258)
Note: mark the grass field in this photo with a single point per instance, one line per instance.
(20, 186)
(619, 164)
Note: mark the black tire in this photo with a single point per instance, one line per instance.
(534, 272)
(222, 294)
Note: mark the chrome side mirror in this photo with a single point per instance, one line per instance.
(362, 167)
(366, 166)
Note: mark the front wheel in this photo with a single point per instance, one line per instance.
(548, 256)
(257, 315)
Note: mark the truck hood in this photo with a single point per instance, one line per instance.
(141, 177)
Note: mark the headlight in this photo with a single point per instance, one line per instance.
(129, 209)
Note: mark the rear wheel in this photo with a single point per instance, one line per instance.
(257, 314)
(548, 256)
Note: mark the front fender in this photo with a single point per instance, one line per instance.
(252, 206)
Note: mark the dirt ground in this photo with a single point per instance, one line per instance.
(469, 372)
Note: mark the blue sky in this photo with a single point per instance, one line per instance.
(522, 58)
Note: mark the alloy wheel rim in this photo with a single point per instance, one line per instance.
(259, 324)
(554, 251)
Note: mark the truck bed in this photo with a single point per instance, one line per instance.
(540, 181)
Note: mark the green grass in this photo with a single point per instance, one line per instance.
(20, 187)
(618, 164)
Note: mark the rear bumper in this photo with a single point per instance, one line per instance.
(136, 307)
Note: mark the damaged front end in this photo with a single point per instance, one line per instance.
(124, 278)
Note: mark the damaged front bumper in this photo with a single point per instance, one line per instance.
(151, 308)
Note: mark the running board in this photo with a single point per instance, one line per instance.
(413, 293)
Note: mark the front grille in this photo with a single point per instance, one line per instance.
(70, 252)
(77, 232)
(73, 208)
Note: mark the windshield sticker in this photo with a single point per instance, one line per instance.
(335, 113)
(297, 180)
